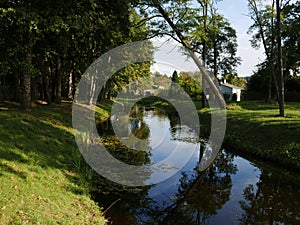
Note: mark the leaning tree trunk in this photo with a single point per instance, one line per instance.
(280, 63)
(26, 84)
(186, 44)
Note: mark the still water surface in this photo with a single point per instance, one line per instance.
(234, 191)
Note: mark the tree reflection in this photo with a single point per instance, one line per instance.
(208, 193)
(194, 200)
(274, 200)
(131, 152)
(199, 196)
(115, 199)
(139, 128)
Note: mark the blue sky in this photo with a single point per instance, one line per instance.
(235, 11)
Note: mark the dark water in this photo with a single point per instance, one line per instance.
(234, 191)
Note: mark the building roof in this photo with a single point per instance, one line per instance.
(231, 86)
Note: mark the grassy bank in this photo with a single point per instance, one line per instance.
(43, 179)
(254, 128)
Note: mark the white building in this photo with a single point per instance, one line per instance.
(230, 90)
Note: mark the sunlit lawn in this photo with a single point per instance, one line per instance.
(254, 127)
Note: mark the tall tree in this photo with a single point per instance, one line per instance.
(291, 38)
(266, 33)
(264, 23)
(279, 58)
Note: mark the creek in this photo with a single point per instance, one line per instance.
(235, 190)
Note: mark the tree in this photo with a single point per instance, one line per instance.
(48, 45)
(267, 20)
(175, 77)
(235, 80)
(291, 38)
(177, 16)
(279, 58)
(264, 23)
(20, 21)
(222, 57)
(187, 82)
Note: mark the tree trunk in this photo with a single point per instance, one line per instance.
(17, 86)
(26, 84)
(204, 51)
(272, 71)
(46, 71)
(92, 86)
(34, 89)
(215, 60)
(269, 96)
(102, 93)
(52, 82)
(58, 82)
(47, 86)
(70, 88)
(280, 63)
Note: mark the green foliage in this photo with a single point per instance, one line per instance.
(235, 80)
(221, 56)
(67, 37)
(191, 84)
(291, 37)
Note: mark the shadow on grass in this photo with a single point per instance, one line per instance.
(42, 138)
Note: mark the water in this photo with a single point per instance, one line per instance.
(234, 191)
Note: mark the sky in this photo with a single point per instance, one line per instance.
(168, 58)
(236, 12)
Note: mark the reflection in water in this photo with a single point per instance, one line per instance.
(233, 191)
(199, 196)
(272, 200)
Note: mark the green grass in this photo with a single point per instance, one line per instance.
(253, 127)
(43, 179)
